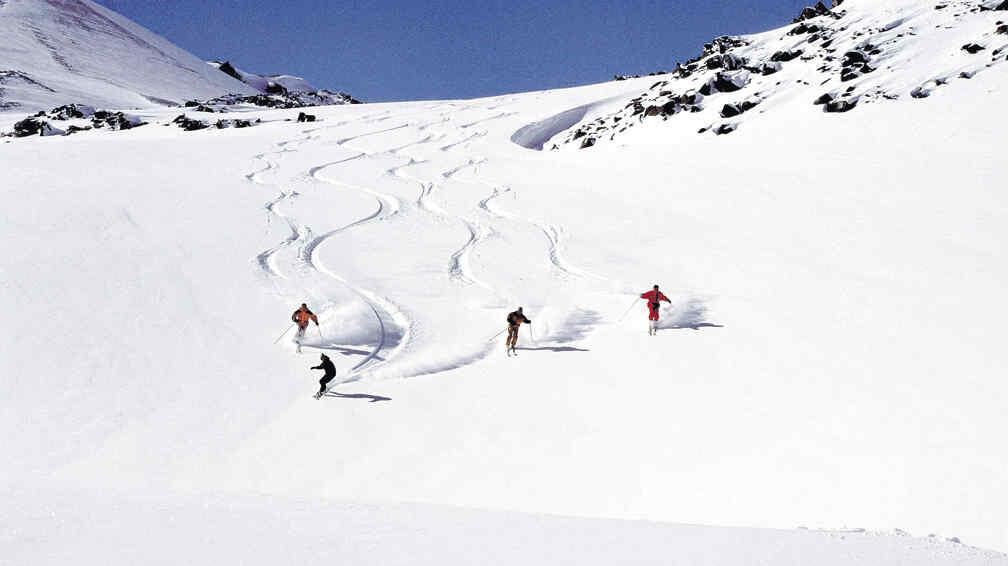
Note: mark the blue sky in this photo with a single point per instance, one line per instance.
(403, 50)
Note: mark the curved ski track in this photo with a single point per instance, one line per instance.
(387, 206)
(381, 308)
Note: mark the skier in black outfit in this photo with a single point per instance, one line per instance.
(330, 373)
(514, 320)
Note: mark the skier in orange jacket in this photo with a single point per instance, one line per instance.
(302, 317)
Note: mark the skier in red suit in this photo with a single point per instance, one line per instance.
(654, 298)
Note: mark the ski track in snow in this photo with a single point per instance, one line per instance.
(384, 311)
(459, 265)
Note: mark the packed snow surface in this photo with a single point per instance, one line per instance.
(832, 356)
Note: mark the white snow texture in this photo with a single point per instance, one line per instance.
(832, 356)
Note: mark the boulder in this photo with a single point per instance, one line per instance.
(770, 68)
(588, 142)
(824, 99)
(803, 28)
(733, 62)
(810, 12)
(725, 82)
(691, 98)
(737, 108)
(226, 67)
(725, 129)
(188, 124)
(973, 48)
(842, 105)
(854, 57)
(302, 117)
(69, 111)
(1003, 28)
(783, 56)
(29, 127)
(115, 120)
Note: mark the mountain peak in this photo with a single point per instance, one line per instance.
(55, 52)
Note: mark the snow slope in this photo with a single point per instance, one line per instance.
(55, 52)
(832, 357)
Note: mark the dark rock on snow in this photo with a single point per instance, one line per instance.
(737, 108)
(30, 127)
(843, 105)
(803, 28)
(114, 121)
(724, 82)
(188, 124)
(228, 68)
(824, 99)
(69, 111)
(784, 56)
(810, 12)
(725, 129)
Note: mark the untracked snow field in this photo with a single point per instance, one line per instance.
(833, 356)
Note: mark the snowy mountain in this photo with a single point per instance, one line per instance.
(271, 84)
(826, 385)
(832, 60)
(75, 51)
(292, 88)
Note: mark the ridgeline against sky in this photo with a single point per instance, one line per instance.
(399, 50)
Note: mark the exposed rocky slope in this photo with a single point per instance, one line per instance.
(836, 59)
(281, 91)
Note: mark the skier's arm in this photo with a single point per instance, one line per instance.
(316, 367)
(315, 318)
(664, 298)
(526, 319)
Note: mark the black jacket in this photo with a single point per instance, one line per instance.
(327, 365)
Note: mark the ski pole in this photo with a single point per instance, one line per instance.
(628, 309)
(320, 333)
(284, 333)
(531, 334)
(496, 335)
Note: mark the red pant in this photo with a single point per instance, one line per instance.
(652, 313)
